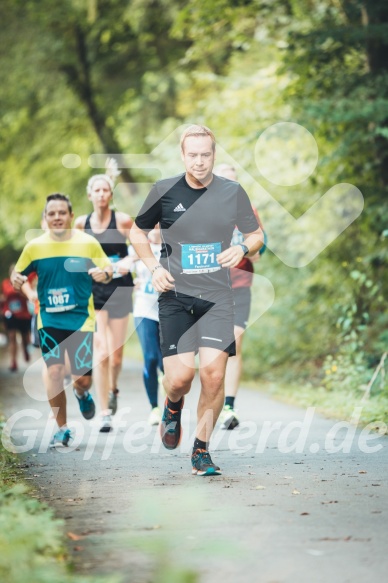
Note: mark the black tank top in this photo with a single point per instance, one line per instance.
(115, 246)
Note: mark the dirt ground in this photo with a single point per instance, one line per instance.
(300, 499)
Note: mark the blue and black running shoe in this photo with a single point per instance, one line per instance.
(61, 438)
(86, 405)
(170, 426)
(203, 465)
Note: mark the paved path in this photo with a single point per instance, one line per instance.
(276, 515)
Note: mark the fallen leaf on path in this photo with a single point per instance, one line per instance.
(260, 488)
(295, 491)
(362, 472)
(288, 478)
(73, 536)
(330, 502)
(305, 513)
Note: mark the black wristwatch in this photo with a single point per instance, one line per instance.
(244, 248)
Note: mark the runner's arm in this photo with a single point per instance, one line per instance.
(17, 279)
(29, 291)
(124, 223)
(162, 280)
(101, 275)
(232, 256)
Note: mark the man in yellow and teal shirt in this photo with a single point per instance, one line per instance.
(66, 262)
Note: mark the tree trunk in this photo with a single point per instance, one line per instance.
(86, 94)
(375, 14)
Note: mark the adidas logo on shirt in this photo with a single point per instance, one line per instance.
(179, 209)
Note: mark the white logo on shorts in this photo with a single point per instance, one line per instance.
(172, 347)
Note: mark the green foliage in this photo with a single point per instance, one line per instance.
(338, 404)
(95, 75)
(28, 536)
(345, 372)
(31, 538)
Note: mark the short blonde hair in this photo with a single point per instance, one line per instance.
(197, 130)
(93, 179)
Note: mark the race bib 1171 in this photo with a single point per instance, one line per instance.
(200, 258)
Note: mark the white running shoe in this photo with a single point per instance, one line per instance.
(106, 424)
(155, 416)
(228, 418)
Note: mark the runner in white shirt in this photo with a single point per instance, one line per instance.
(146, 318)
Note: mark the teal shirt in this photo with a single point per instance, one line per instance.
(64, 285)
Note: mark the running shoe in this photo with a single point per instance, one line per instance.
(106, 424)
(155, 416)
(112, 403)
(170, 426)
(61, 438)
(203, 465)
(86, 404)
(13, 367)
(228, 418)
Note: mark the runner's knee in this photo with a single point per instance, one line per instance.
(212, 378)
(116, 359)
(56, 372)
(83, 383)
(180, 384)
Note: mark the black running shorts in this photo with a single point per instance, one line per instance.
(188, 323)
(21, 325)
(118, 304)
(79, 346)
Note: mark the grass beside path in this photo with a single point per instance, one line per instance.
(339, 404)
(31, 538)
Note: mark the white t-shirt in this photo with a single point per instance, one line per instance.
(145, 297)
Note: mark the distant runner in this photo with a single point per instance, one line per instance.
(241, 277)
(17, 319)
(113, 302)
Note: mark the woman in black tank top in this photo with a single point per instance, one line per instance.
(113, 301)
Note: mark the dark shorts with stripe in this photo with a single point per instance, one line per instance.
(188, 323)
(54, 343)
(242, 306)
